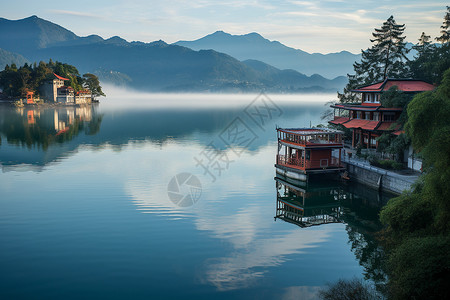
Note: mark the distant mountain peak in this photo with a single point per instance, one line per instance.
(254, 34)
(116, 40)
(254, 46)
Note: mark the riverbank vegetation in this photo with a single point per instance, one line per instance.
(17, 81)
(416, 234)
(417, 230)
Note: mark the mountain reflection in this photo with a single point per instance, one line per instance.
(38, 136)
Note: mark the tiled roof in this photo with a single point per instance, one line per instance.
(339, 120)
(59, 77)
(385, 126)
(404, 85)
(355, 107)
(361, 123)
(370, 104)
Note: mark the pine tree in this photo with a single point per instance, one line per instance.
(445, 32)
(386, 58)
(390, 48)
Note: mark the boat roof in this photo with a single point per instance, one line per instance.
(310, 131)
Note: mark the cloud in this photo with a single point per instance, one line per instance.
(74, 13)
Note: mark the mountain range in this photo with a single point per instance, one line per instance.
(155, 66)
(254, 46)
(8, 58)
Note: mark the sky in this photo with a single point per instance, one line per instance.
(313, 26)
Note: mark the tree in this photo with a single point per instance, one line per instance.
(417, 229)
(16, 81)
(390, 49)
(445, 32)
(386, 58)
(93, 84)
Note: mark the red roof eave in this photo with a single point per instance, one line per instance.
(59, 77)
(360, 123)
(339, 120)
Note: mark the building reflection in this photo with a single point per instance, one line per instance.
(36, 136)
(29, 126)
(306, 205)
(321, 202)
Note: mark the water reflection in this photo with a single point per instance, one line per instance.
(306, 205)
(113, 167)
(51, 134)
(42, 127)
(322, 202)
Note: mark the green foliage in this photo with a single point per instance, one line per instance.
(386, 58)
(427, 114)
(347, 290)
(396, 145)
(420, 267)
(92, 83)
(15, 82)
(430, 64)
(395, 98)
(445, 28)
(387, 164)
(417, 228)
(405, 214)
(383, 142)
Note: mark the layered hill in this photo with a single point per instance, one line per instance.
(254, 46)
(155, 66)
(8, 58)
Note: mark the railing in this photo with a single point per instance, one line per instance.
(289, 161)
(311, 142)
(294, 162)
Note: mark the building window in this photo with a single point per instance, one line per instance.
(376, 116)
(358, 115)
(367, 115)
(308, 154)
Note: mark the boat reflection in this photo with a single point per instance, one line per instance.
(305, 204)
(321, 202)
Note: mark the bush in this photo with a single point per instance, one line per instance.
(420, 269)
(386, 164)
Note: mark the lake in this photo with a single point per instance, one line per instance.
(172, 197)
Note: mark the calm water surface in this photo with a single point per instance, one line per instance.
(91, 207)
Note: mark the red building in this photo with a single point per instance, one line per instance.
(30, 99)
(304, 151)
(369, 119)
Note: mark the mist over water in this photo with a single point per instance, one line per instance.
(123, 98)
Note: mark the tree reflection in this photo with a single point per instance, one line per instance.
(42, 127)
(320, 202)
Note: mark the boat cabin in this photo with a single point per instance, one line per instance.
(302, 151)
